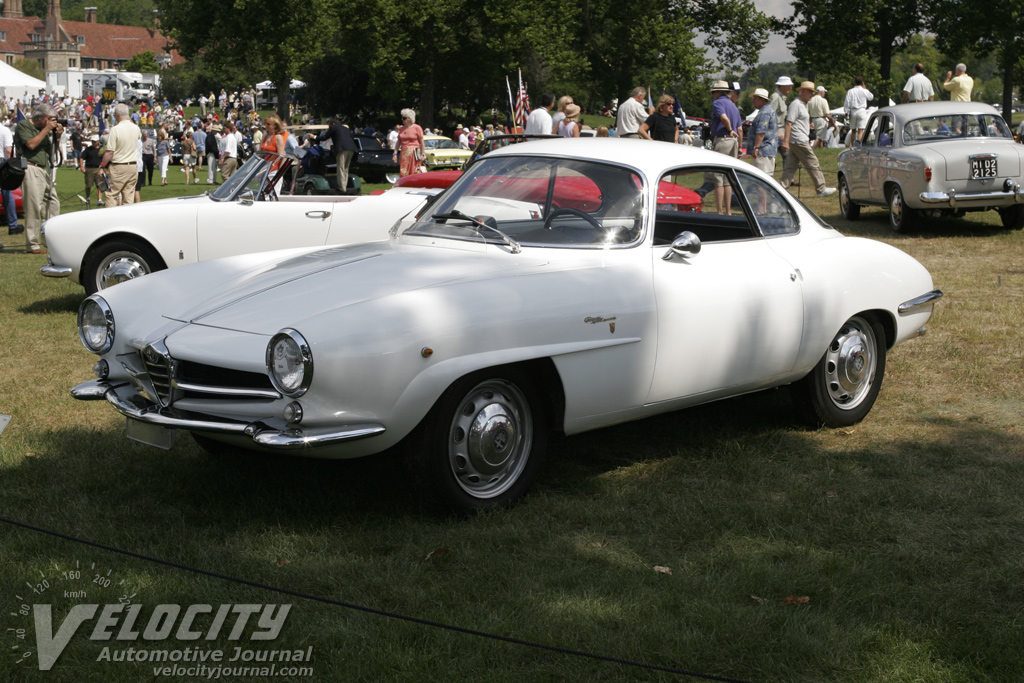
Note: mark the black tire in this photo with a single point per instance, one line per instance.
(111, 262)
(1012, 217)
(849, 210)
(901, 216)
(482, 443)
(843, 386)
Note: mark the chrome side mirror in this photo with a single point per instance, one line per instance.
(685, 244)
(246, 197)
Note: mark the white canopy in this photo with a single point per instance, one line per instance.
(11, 79)
(269, 85)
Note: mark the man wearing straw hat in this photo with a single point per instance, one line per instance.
(797, 141)
(725, 135)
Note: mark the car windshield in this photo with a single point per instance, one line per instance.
(259, 174)
(369, 144)
(439, 144)
(537, 201)
(955, 127)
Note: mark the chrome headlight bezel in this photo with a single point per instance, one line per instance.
(301, 362)
(93, 310)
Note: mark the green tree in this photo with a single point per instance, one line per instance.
(280, 38)
(31, 67)
(144, 62)
(985, 28)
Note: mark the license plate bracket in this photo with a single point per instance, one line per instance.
(150, 434)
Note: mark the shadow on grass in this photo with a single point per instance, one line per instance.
(875, 223)
(58, 304)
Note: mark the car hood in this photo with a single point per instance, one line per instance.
(285, 292)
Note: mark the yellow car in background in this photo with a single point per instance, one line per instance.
(442, 152)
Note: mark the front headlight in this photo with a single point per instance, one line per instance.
(289, 363)
(96, 324)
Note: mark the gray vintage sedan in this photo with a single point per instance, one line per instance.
(931, 159)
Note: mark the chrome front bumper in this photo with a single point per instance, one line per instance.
(133, 406)
(51, 270)
(1005, 197)
(920, 301)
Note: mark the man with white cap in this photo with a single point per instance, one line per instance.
(797, 141)
(763, 137)
(783, 86)
(821, 119)
(959, 86)
(856, 106)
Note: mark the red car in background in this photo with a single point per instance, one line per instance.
(669, 194)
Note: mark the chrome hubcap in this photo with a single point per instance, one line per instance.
(121, 267)
(896, 208)
(850, 364)
(490, 438)
(844, 197)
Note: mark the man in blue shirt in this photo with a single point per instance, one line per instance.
(763, 138)
(725, 135)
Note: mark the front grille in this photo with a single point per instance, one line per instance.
(190, 372)
(159, 369)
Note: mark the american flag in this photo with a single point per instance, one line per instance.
(522, 103)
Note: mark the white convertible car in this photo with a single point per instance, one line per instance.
(246, 214)
(546, 290)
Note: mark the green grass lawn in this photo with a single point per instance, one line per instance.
(903, 533)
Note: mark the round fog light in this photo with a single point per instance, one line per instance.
(101, 369)
(293, 413)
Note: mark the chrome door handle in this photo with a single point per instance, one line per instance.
(322, 215)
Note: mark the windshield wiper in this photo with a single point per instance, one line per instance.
(455, 213)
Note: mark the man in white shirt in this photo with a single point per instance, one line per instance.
(631, 114)
(539, 121)
(919, 87)
(393, 138)
(229, 157)
(856, 106)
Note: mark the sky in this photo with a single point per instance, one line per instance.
(775, 50)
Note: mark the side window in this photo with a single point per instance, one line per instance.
(773, 214)
(884, 131)
(687, 201)
(871, 136)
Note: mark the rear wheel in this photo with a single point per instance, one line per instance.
(901, 216)
(843, 386)
(118, 261)
(482, 444)
(850, 210)
(1013, 217)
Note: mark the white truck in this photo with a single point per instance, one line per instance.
(108, 84)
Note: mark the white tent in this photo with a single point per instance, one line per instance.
(17, 84)
(269, 85)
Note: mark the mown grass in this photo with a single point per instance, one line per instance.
(903, 532)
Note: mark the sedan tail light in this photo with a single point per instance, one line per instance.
(927, 173)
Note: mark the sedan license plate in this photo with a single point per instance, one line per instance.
(151, 435)
(984, 167)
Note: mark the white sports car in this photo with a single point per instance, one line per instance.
(547, 289)
(934, 158)
(246, 214)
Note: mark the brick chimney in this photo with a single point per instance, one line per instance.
(90, 15)
(54, 23)
(12, 9)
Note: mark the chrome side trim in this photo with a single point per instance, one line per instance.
(137, 408)
(920, 301)
(51, 270)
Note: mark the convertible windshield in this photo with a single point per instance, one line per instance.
(440, 144)
(261, 174)
(539, 202)
(955, 127)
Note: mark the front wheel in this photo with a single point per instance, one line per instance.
(849, 210)
(843, 386)
(482, 444)
(901, 216)
(119, 261)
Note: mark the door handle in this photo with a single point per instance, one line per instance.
(322, 215)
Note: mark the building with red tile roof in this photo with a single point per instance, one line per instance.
(60, 45)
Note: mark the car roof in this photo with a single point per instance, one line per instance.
(650, 157)
(916, 110)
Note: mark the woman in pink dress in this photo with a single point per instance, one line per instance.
(410, 139)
